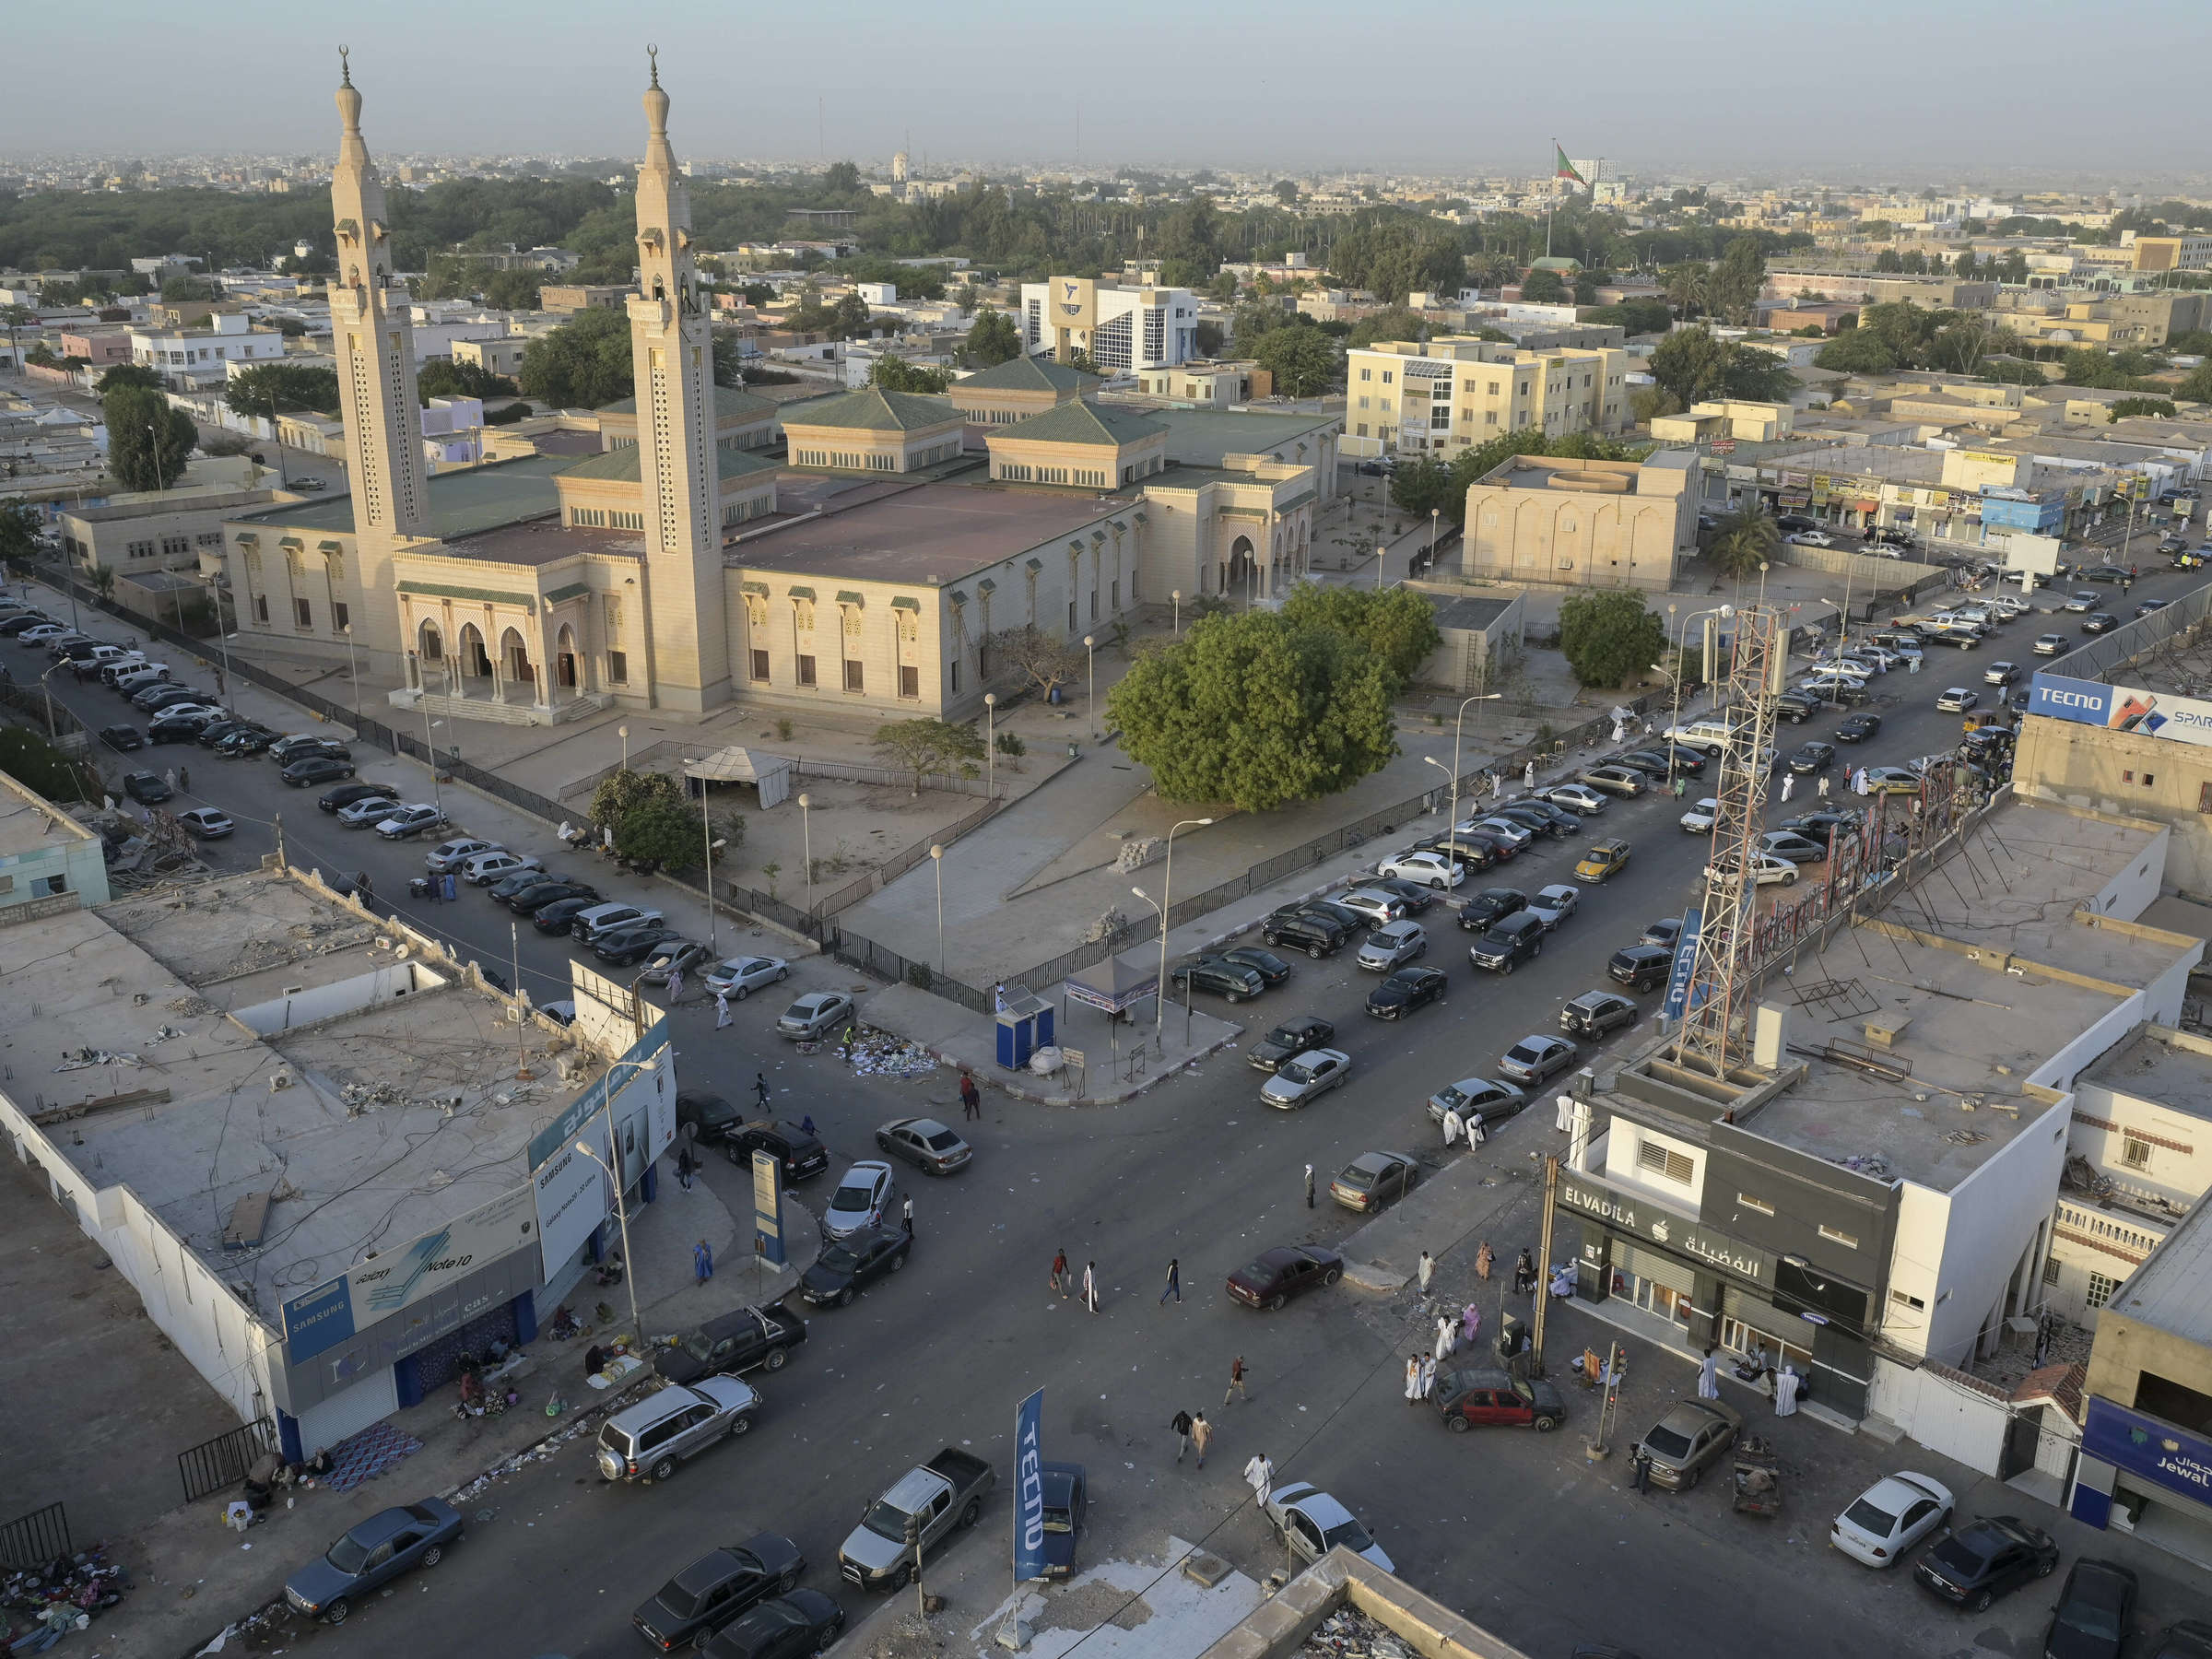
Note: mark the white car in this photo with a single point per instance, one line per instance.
(488, 867)
(1315, 1071)
(2009, 604)
(1699, 818)
(1889, 1517)
(862, 1199)
(1575, 797)
(1310, 1524)
(1876, 656)
(1387, 948)
(1813, 538)
(739, 977)
(1956, 701)
(1553, 904)
(404, 822)
(372, 809)
(1863, 665)
(1765, 868)
(1430, 869)
(40, 634)
(1516, 836)
(449, 856)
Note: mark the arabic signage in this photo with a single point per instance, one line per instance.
(2123, 709)
(1029, 1489)
(1645, 1220)
(2176, 1459)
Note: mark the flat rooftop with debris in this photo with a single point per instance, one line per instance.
(251, 1035)
(2173, 1070)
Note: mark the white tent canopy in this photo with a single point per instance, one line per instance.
(769, 773)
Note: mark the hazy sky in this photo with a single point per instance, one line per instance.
(1942, 89)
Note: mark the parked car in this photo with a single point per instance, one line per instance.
(1889, 1517)
(558, 915)
(1476, 1396)
(2000, 673)
(1425, 867)
(1375, 907)
(449, 856)
(862, 1199)
(1670, 761)
(123, 739)
(1597, 1014)
(1666, 933)
(1274, 1276)
(718, 1589)
(370, 811)
(1472, 853)
(926, 1144)
(1789, 844)
(2091, 1618)
(1857, 728)
(738, 977)
(1688, 1439)
(1373, 1179)
(1484, 911)
(1516, 939)
(1822, 828)
(1641, 967)
(729, 1345)
(1603, 860)
(2190, 1638)
(1958, 699)
(207, 823)
(1309, 1523)
(1997, 1554)
(316, 768)
(1227, 980)
(146, 788)
(1519, 837)
(1891, 780)
(1796, 707)
(346, 795)
(299, 745)
(180, 726)
(1536, 1060)
(1289, 1041)
(1813, 756)
(1699, 819)
(650, 1439)
(686, 957)
(1272, 971)
(1297, 1081)
(801, 1154)
(602, 919)
(1316, 936)
(508, 889)
(1472, 1097)
(245, 740)
(485, 868)
(710, 1116)
(1390, 947)
(621, 946)
(1554, 903)
(815, 1015)
(1766, 869)
(1402, 991)
(2084, 599)
(848, 1266)
(1536, 821)
(371, 1554)
(1577, 798)
(785, 1626)
(1617, 780)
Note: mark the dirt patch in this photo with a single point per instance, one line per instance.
(1087, 1606)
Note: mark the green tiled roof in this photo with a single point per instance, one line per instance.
(1029, 374)
(575, 589)
(1079, 422)
(873, 409)
(729, 402)
(625, 465)
(461, 504)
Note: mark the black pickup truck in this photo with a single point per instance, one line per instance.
(741, 1340)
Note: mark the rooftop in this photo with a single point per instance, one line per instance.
(929, 533)
(2171, 1068)
(29, 825)
(729, 402)
(2172, 1290)
(1202, 437)
(544, 540)
(873, 409)
(1029, 374)
(461, 504)
(1473, 614)
(626, 464)
(1079, 422)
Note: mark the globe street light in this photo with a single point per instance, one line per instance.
(990, 745)
(1090, 697)
(936, 859)
(623, 731)
(806, 845)
(1176, 595)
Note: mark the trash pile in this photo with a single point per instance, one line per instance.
(60, 1598)
(1353, 1635)
(1866, 1163)
(78, 1059)
(360, 1097)
(879, 1054)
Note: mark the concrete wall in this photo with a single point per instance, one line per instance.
(1943, 1410)
(313, 1003)
(2130, 774)
(2127, 1348)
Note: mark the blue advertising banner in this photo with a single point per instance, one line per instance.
(1686, 959)
(2123, 709)
(2060, 696)
(1029, 1489)
(2176, 1459)
(318, 1321)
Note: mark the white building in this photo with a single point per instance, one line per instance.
(1122, 329)
(189, 358)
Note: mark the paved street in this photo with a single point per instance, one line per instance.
(1514, 1529)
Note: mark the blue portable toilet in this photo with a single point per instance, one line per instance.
(1024, 1025)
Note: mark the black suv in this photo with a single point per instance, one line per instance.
(1301, 930)
(1489, 907)
(1641, 967)
(800, 1153)
(1594, 1013)
(1516, 939)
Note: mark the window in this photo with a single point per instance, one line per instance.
(1833, 1237)
(140, 549)
(807, 671)
(49, 886)
(2049, 1270)
(856, 678)
(2205, 806)
(302, 613)
(261, 608)
(341, 614)
(1664, 1160)
(1366, 374)
(909, 678)
(1904, 1300)
(1071, 616)
(2101, 1290)
(1489, 417)
(2134, 1153)
(1094, 605)
(617, 668)
(1113, 594)
(1749, 1203)
(956, 680)
(759, 659)
(1387, 377)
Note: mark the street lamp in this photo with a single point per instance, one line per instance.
(1176, 595)
(1090, 697)
(706, 832)
(1159, 990)
(623, 731)
(806, 845)
(1434, 518)
(936, 859)
(1458, 729)
(1704, 667)
(990, 745)
(430, 749)
(630, 1265)
(1166, 897)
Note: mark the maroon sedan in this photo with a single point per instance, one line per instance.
(1289, 1270)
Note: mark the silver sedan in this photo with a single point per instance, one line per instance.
(739, 977)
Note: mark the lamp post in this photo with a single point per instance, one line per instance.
(630, 1265)
(1159, 990)
(47, 691)
(1090, 697)
(990, 745)
(706, 834)
(431, 747)
(1176, 595)
(1704, 667)
(1166, 897)
(1435, 516)
(623, 731)
(1458, 729)
(936, 859)
(806, 845)
(353, 673)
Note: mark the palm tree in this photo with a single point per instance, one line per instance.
(1685, 285)
(1743, 540)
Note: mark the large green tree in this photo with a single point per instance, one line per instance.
(920, 747)
(19, 524)
(275, 388)
(1397, 624)
(1301, 358)
(896, 374)
(2125, 408)
(996, 337)
(1610, 638)
(1421, 485)
(1393, 323)
(1857, 351)
(1691, 363)
(442, 377)
(148, 441)
(584, 364)
(661, 832)
(1545, 288)
(1256, 710)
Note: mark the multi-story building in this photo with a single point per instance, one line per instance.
(1411, 397)
(1582, 523)
(189, 358)
(1209, 384)
(2172, 252)
(158, 531)
(48, 862)
(1122, 330)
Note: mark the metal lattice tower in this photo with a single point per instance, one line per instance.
(1708, 1040)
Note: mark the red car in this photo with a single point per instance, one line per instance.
(1475, 1397)
(1283, 1272)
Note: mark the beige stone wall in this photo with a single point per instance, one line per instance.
(1076, 465)
(1569, 538)
(986, 407)
(866, 451)
(2126, 1348)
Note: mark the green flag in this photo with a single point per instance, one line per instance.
(1565, 169)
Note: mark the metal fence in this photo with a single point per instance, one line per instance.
(669, 758)
(2105, 655)
(222, 1462)
(32, 1541)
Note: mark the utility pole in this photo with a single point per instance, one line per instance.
(1551, 1192)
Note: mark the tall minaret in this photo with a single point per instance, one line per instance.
(672, 352)
(374, 339)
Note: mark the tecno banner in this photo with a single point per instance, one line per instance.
(2123, 709)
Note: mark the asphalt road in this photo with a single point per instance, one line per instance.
(1512, 1529)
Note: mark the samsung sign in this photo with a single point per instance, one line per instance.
(2123, 709)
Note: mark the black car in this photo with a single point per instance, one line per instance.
(1822, 828)
(1516, 940)
(1470, 850)
(180, 728)
(1595, 1012)
(1490, 906)
(2104, 573)
(2150, 605)
(247, 740)
(2190, 1638)
(1976, 1564)
(1641, 967)
(1274, 1276)
(2090, 1620)
(1289, 1041)
(159, 695)
(1417, 896)
(534, 899)
(1567, 821)
(1857, 728)
(215, 731)
(23, 623)
(1812, 758)
(805, 1621)
(555, 917)
(316, 768)
(717, 1589)
(2099, 622)
(1316, 936)
(1797, 707)
(1229, 980)
(509, 888)
(1405, 990)
(799, 1153)
(147, 788)
(123, 739)
(628, 944)
(346, 795)
(1272, 969)
(1649, 762)
(850, 1264)
(1535, 822)
(1664, 763)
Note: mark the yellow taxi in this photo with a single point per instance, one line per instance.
(1605, 858)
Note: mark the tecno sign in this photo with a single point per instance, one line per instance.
(2123, 709)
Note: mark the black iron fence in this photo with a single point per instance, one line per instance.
(32, 1541)
(222, 1462)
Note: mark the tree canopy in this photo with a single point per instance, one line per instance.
(1694, 364)
(896, 374)
(444, 377)
(1545, 288)
(996, 337)
(1397, 624)
(920, 748)
(1609, 638)
(148, 441)
(1303, 359)
(1742, 540)
(293, 387)
(584, 364)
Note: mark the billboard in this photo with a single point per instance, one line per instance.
(1029, 1489)
(1684, 965)
(2123, 709)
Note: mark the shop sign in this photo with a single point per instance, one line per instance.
(1663, 1228)
(2176, 1459)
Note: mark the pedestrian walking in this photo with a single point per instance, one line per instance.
(683, 1167)
(1427, 1386)
(1681, 788)
(906, 1218)
(2003, 696)
(1413, 1378)
(1789, 783)
(1562, 1113)
(1524, 1275)
(1709, 1375)
(1174, 1285)
(170, 777)
(1528, 777)
(1059, 1279)
(1202, 1435)
(1259, 1475)
(1912, 665)
(721, 1009)
(676, 985)
(972, 1100)
(702, 1262)
(1786, 1384)
(1470, 1323)
(1824, 786)
(1452, 1128)
(1485, 1258)
(1444, 1336)
(761, 1093)
(1236, 1382)
(1181, 1423)
(1090, 1286)
(1308, 1187)
(1424, 1269)
(183, 777)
